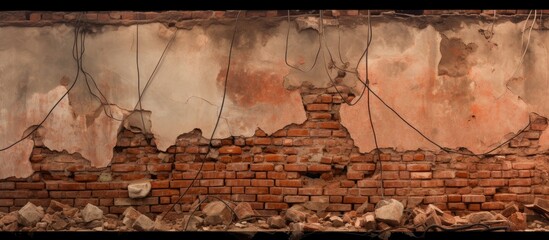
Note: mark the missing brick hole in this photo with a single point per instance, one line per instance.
(154, 177)
(313, 174)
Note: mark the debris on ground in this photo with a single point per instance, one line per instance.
(389, 215)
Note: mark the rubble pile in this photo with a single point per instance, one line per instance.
(389, 215)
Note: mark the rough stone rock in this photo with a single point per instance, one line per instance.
(216, 213)
(91, 212)
(293, 214)
(316, 205)
(129, 216)
(56, 206)
(94, 224)
(58, 223)
(478, 217)
(143, 223)
(447, 219)
(42, 225)
(313, 218)
(276, 222)
(312, 227)
(139, 189)
(359, 221)
(29, 215)
(509, 209)
(362, 209)
(389, 211)
(9, 218)
(336, 221)
(110, 224)
(10, 227)
(369, 221)
(244, 210)
(70, 212)
(348, 216)
(433, 209)
(518, 221)
(194, 223)
(383, 226)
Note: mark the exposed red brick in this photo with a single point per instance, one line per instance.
(418, 167)
(262, 167)
(277, 206)
(230, 150)
(473, 198)
(257, 190)
(274, 157)
(270, 198)
(71, 186)
(289, 183)
(298, 132)
(492, 206)
(86, 177)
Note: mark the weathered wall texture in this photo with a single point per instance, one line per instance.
(285, 136)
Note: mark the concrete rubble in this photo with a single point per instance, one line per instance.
(139, 189)
(219, 216)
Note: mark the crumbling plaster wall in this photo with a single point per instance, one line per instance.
(441, 74)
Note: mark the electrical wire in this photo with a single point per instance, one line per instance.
(87, 77)
(149, 81)
(77, 55)
(332, 62)
(218, 116)
(286, 52)
(139, 78)
(366, 85)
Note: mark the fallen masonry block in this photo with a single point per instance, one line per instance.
(276, 222)
(389, 211)
(244, 210)
(29, 215)
(216, 213)
(478, 217)
(91, 212)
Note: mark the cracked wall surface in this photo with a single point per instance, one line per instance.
(443, 75)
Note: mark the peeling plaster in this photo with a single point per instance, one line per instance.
(471, 109)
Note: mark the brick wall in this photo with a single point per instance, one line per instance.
(313, 161)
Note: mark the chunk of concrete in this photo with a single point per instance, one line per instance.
(91, 212)
(389, 211)
(478, 217)
(244, 210)
(276, 222)
(58, 223)
(312, 227)
(369, 222)
(336, 221)
(9, 218)
(139, 189)
(295, 215)
(217, 213)
(143, 223)
(29, 215)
